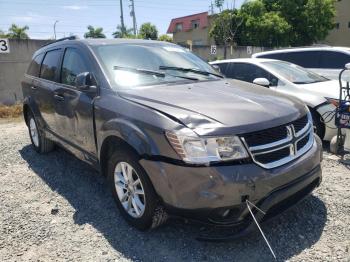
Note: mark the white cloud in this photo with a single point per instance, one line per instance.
(74, 7)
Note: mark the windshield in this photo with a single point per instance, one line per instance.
(131, 65)
(294, 73)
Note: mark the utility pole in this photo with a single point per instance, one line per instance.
(122, 17)
(54, 28)
(132, 13)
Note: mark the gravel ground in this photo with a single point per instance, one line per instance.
(54, 207)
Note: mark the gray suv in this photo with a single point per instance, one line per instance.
(170, 134)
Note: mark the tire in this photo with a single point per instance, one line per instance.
(153, 214)
(40, 143)
(319, 127)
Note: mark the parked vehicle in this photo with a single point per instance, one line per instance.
(169, 133)
(317, 92)
(327, 61)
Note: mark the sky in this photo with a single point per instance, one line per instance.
(74, 16)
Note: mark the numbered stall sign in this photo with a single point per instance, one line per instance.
(249, 50)
(213, 50)
(4, 45)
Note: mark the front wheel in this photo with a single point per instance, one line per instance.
(133, 191)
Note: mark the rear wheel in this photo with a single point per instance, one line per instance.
(133, 192)
(40, 143)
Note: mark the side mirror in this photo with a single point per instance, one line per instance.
(217, 68)
(347, 66)
(85, 82)
(262, 82)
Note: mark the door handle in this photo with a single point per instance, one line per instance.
(33, 87)
(59, 97)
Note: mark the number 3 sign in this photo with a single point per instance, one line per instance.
(4, 45)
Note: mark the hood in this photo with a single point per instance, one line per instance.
(323, 89)
(219, 107)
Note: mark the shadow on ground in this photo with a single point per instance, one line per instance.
(86, 191)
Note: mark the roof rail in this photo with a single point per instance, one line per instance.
(73, 37)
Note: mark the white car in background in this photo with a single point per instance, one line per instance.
(327, 61)
(317, 92)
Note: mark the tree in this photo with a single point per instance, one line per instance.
(225, 27)
(165, 38)
(275, 23)
(18, 32)
(311, 20)
(263, 28)
(94, 32)
(148, 31)
(219, 4)
(123, 32)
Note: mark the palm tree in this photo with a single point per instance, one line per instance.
(122, 32)
(94, 32)
(18, 32)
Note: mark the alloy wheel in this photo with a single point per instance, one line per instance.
(129, 189)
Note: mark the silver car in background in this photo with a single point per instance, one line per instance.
(317, 92)
(327, 61)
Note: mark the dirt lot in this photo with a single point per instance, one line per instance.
(54, 207)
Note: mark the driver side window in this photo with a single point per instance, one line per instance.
(73, 64)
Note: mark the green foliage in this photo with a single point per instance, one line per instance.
(17, 32)
(225, 26)
(310, 20)
(123, 32)
(94, 32)
(275, 23)
(165, 38)
(148, 31)
(262, 27)
(219, 4)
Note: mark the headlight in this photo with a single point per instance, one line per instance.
(201, 150)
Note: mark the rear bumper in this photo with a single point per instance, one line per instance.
(206, 193)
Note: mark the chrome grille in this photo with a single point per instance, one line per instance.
(277, 146)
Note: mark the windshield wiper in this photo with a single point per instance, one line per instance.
(150, 72)
(138, 70)
(192, 70)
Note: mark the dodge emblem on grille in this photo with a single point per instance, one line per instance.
(293, 142)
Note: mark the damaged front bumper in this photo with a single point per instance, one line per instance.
(218, 194)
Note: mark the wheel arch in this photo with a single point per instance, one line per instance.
(109, 146)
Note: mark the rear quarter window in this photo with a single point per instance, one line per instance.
(50, 66)
(334, 60)
(34, 67)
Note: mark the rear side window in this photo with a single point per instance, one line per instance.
(334, 60)
(50, 66)
(73, 65)
(307, 59)
(34, 66)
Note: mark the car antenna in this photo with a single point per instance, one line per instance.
(257, 224)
